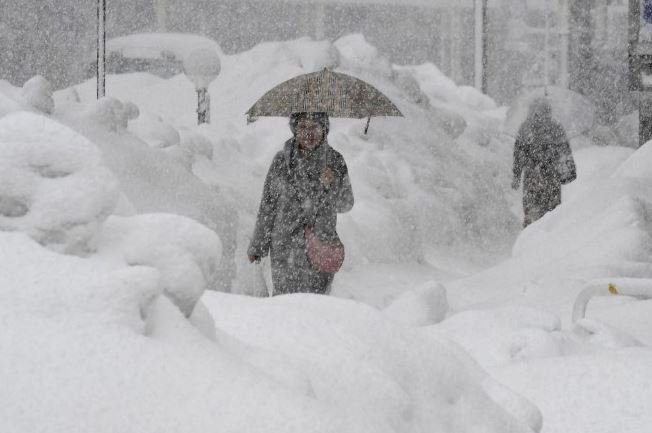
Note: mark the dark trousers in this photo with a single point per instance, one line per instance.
(541, 193)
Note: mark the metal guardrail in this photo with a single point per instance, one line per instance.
(635, 287)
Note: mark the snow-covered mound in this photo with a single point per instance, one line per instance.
(91, 346)
(604, 225)
(355, 359)
(52, 185)
(561, 370)
(56, 189)
(156, 181)
(422, 306)
(86, 348)
(150, 181)
(601, 230)
(35, 95)
(185, 253)
(515, 317)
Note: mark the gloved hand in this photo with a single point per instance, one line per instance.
(326, 177)
(309, 212)
(254, 259)
(516, 183)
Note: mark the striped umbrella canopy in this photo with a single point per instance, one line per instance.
(334, 93)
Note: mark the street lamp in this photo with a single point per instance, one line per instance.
(201, 67)
(480, 37)
(101, 48)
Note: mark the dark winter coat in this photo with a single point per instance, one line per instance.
(294, 196)
(543, 155)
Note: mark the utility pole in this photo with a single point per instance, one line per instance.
(101, 48)
(456, 44)
(320, 17)
(546, 47)
(564, 42)
(480, 72)
(161, 15)
(583, 61)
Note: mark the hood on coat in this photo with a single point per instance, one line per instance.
(540, 109)
(320, 117)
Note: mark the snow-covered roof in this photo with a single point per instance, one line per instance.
(153, 45)
(426, 3)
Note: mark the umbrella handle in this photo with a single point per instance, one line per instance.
(366, 128)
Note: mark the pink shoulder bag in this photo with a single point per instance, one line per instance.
(324, 257)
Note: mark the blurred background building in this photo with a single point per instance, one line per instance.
(581, 44)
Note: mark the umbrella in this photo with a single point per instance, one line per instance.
(334, 93)
(574, 111)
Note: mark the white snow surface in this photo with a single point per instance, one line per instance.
(117, 215)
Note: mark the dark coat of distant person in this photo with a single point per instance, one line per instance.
(305, 185)
(543, 157)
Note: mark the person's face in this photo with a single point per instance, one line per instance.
(309, 134)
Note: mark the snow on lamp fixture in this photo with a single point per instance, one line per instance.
(201, 67)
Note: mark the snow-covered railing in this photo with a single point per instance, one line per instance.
(636, 287)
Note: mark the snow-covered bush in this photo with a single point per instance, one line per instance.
(37, 92)
(113, 113)
(154, 131)
(196, 142)
(154, 182)
(605, 222)
(355, 359)
(52, 184)
(186, 254)
(359, 56)
(55, 188)
(424, 305)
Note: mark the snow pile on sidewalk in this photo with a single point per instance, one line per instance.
(35, 95)
(87, 347)
(601, 230)
(589, 376)
(52, 185)
(155, 181)
(56, 190)
(351, 357)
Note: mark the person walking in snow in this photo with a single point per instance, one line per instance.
(306, 186)
(542, 155)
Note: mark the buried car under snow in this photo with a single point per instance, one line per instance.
(160, 54)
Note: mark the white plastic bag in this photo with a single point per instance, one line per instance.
(259, 285)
